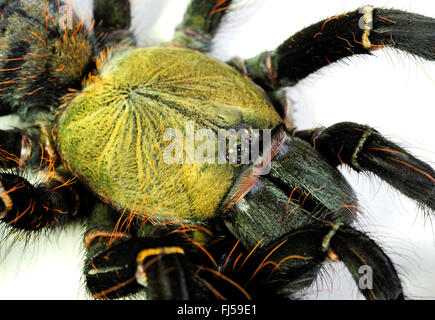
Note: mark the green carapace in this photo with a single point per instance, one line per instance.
(112, 134)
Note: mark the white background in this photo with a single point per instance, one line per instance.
(391, 92)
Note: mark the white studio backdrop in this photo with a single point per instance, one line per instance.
(392, 92)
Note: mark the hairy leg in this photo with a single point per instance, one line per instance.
(35, 190)
(291, 264)
(365, 149)
(358, 32)
(200, 23)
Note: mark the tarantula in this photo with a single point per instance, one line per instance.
(95, 130)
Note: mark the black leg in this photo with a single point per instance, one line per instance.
(102, 241)
(280, 270)
(126, 257)
(112, 20)
(27, 147)
(112, 15)
(365, 149)
(201, 22)
(171, 265)
(291, 264)
(369, 266)
(357, 32)
(51, 203)
(12, 143)
(36, 191)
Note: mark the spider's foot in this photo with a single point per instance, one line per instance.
(371, 268)
(121, 266)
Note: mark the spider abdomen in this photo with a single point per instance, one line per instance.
(114, 134)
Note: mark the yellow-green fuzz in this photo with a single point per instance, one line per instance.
(111, 134)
